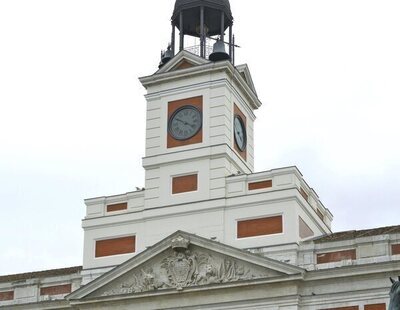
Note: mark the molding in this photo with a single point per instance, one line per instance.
(207, 68)
(202, 152)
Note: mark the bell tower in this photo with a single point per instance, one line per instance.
(200, 110)
(199, 157)
(205, 20)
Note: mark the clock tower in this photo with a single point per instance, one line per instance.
(200, 111)
(199, 158)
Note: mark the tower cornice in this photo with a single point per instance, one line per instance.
(226, 66)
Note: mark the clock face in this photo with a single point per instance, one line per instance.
(185, 122)
(240, 133)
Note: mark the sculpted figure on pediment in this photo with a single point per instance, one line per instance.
(185, 266)
(228, 270)
(208, 275)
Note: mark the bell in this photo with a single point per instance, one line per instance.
(219, 52)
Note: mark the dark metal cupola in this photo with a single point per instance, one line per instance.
(206, 20)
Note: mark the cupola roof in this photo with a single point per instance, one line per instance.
(192, 17)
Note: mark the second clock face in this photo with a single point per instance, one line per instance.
(240, 133)
(185, 123)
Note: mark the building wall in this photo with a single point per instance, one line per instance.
(215, 219)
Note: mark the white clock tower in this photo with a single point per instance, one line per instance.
(186, 165)
(199, 161)
(183, 165)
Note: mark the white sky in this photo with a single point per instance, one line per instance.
(72, 109)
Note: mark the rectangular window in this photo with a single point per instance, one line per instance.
(260, 185)
(338, 256)
(260, 227)
(56, 290)
(184, 184)
(4, 296)
(117, 207)
(116, 246)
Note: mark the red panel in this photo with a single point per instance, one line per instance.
(375, 307)
(6, 295)
(395, 249)
(260, 185)
(260, 227)
(344, 308)
(184, 184)
(116, 246)
(338, 256)
(56, 290)
(117, 207)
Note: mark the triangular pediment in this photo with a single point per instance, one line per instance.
(245, 74)
(182, 60)
(184, 261)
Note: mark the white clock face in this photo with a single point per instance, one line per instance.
(185, 123)
(240, 133)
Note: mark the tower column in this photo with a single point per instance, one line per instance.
(222, 25)
(230, 43)
(181, 34)
(173, 39)
(202, 41)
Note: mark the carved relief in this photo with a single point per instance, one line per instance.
(184, 267)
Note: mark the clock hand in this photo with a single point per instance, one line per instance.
(178, 119)
(185, 123)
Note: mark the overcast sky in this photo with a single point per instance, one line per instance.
(72, 109)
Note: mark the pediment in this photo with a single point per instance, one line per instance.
(184, 261)
(245, 74)
(182, 60)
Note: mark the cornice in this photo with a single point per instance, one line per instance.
(208, 68)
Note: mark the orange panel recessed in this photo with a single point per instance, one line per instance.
(260, 185)
(344, 308)
(395, 249)
(116, 246)
(56, 290)
(9, 295)
(184, 184)
(117, 207)
(375, 307)
(260, 227)
(337, 256)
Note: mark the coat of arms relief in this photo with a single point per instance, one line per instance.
(185, 266)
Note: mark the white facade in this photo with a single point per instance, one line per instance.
(164, 247)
